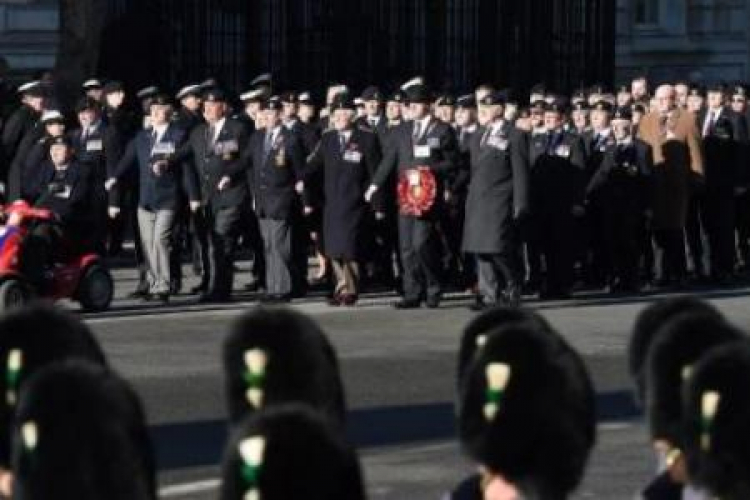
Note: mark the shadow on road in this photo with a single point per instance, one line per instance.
(195, 444)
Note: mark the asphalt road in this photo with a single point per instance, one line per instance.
(398, 369)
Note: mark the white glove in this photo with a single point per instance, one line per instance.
(110, 183)
(224, 183)
(370, 192)
(299, 187)
(195, 206)
(114, 212)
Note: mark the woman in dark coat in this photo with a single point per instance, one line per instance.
(347, 156)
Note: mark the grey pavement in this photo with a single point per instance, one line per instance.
(398, 369)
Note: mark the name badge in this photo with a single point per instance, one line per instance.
(563, 151)
(280, 159)
(94, 145)
(500, 143)
(421, 151)
(226, 147)
(433, 142)
(353, 156)
(164, 148)
(65, 193)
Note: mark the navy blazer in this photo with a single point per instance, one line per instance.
(168, 190)
(66, 198)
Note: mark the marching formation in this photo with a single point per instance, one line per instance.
(72, 428)
(413, 190)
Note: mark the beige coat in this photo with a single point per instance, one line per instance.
(678, 159)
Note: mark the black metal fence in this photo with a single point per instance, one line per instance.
(310, 43)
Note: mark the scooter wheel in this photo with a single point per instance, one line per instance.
(96, 289)
(13, 294)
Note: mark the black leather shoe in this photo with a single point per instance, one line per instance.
(407, 304)
(478, 305)
(161, 297)
(138, 294)
(433, 302)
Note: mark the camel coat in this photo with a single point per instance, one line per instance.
(678, 165)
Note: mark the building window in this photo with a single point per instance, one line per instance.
(646, 12)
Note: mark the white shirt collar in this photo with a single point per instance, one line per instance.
(218, 126)
(496, 126)
(160, 131)
(626, 142)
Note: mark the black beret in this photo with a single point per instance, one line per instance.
(86, 103)
(419, 93)
(397, 96)
(113, 86)
(372, 93)
(161, 99)
(623, 113)
(492, 99)
(343, 101)
(602, 106)
(289, 98)
(214, 95)
(445, 100)
(305, 97)
(466, 101)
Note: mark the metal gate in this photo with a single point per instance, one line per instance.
(310, 43)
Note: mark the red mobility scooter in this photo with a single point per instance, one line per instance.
(82, 277)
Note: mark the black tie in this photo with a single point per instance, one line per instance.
(342, 143)
(211, 135)
(268, 144)
(417, 131)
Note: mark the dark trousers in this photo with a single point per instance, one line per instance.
(719, 210)
(497, 271)
(670, 259)
(219, 231)
(695, 227)
(621, 234)
(554, 230)
(279, 255)
(742, 223)
(420, 244)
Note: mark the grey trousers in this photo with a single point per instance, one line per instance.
(495, 272)
(156, 236)
(347, 277)
(277, 243)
